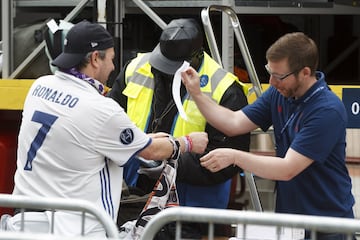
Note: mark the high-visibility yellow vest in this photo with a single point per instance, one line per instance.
(140, 88)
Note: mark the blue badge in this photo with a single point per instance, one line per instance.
(204, 79)
(127, 136)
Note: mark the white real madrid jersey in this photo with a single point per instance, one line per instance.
(72, 144)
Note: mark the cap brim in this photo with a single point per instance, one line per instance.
(162, 63)
(67, 60)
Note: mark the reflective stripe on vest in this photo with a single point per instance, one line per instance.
(139, 90)
(140, 86)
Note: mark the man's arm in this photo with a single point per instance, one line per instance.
(189, 164)
(164, 146)
(226, 120)
(269, 167)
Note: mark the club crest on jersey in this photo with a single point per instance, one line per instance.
(204, 79)
(127, 136)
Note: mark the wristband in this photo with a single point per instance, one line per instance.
(176, 148)
(187, 144)
(188, 138)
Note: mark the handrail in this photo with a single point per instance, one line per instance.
(22, 202)
(43, 236)
(205, 16)
(254, 194)
(148, 11)
(209, 33)
(246, 218)
(256, 86)
(42, 45)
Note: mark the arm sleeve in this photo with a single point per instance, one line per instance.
(259, 112)
(320, 135)
(119, 138)
(189, 164)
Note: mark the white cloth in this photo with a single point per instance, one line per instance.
(176, 89)
(35, 222)
(67, 130)
(40, 222)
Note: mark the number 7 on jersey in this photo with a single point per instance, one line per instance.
(47, 120)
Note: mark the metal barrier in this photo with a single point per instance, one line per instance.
(8, 10)
(53, 204)
(247, 218)
(205, 16)
(34, 236)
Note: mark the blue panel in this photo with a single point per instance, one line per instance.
(351, 100)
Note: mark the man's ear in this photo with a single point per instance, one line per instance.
(94, 58)
(306, 71)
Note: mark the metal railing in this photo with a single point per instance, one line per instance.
(205, 16)
(53, 204)
(8, 41)
(249, 218)
(34, 236)
(256, 86)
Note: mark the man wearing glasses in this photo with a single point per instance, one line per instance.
(309, 123)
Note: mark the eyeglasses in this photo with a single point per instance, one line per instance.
(277, 76)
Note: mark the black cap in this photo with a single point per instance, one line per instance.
(82, 38)
(178, 41)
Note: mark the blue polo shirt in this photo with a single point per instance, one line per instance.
(314, 126)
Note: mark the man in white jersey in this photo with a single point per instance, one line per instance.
(73, 141)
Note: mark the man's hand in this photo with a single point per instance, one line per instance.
(191, 80)
(199, 141)
(218, 159)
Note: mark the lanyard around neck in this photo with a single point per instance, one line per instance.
(292, 116)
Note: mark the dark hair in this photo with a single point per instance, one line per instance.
(300, 51)
(85, 61)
